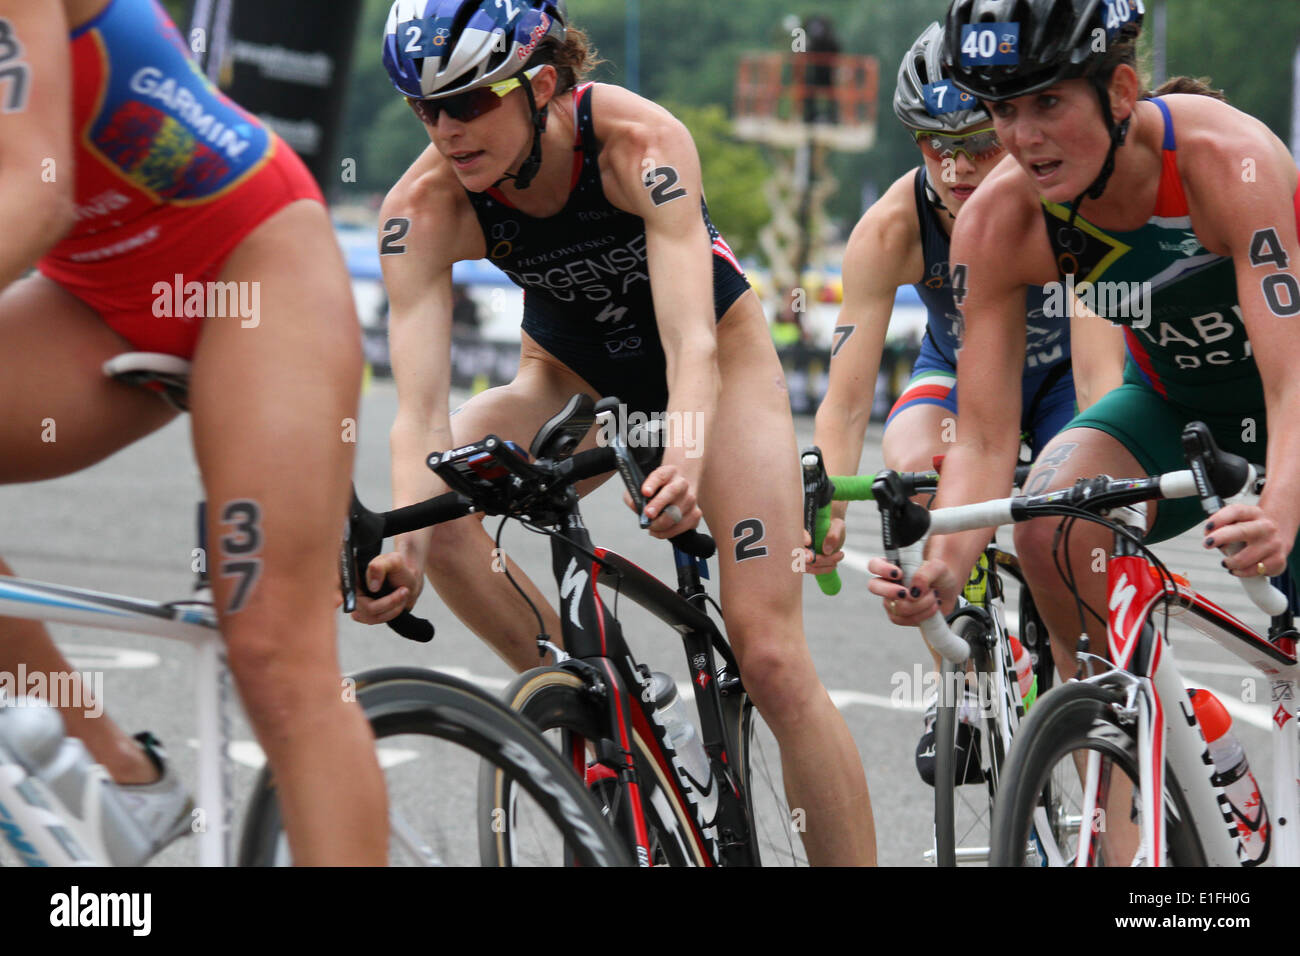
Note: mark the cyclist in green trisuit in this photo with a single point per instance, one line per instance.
(904, 238)
(1176, 216)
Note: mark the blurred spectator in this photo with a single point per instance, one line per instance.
(787, 327)
(819, 76)
(464, 312)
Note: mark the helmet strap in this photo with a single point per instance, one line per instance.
(1118, 136)
(530, 166)
(932, 195)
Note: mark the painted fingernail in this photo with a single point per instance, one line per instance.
(902, 594)
(916, 592)
(1224, 563)
(895, 574)
(1209, 526)
(1209, 542)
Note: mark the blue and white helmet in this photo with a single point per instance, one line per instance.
(437, 48)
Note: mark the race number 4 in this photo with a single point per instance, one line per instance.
(1281, 290)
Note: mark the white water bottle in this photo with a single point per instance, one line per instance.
(679, 729)
(1233, 774)
(59, 805)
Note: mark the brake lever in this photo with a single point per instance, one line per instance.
(629, 471)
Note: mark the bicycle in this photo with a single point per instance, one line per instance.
(396, 701)
(597, 701)
(1130, 724)
(968, 765)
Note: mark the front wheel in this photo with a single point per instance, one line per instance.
(574, 720)
(432, 732)
(1070, 795)
(968, 750)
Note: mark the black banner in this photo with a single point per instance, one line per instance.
(285, 61)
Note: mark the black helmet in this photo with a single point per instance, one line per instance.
(1001, 49)
(1050, 41)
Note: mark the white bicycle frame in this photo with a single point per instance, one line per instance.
(1170, 735)
(191, 622)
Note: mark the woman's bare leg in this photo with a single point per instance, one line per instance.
(752, 501)
(273, 406)
(62, 415)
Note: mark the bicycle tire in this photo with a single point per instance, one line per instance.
(775, 829)
(963, 810)
(559, 704)
(456, 719)
(1074, 717)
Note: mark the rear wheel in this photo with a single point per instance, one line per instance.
(433, 731)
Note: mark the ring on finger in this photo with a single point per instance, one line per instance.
(1260, 568)
(893, 606)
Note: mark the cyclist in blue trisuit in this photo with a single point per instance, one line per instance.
(1180, 213)
(904, 238)
(590, 198)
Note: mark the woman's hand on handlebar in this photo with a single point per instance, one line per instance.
(669, 495)
(832, 549)
(1260, 540)
(932, 587)
(407, 583)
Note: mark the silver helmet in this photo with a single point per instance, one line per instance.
(945, 109)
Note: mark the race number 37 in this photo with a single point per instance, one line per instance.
(985, 44)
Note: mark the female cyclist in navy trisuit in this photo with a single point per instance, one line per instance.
(122, 168)
(590, 198)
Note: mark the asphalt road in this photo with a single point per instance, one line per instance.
(126, 526)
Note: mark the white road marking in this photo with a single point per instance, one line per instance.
(250, 754)
(95, 657)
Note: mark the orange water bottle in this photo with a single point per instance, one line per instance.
(1232, 773)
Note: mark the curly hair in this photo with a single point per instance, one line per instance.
(573, 59)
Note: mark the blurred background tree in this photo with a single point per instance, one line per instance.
(688, 52)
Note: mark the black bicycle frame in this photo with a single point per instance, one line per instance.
(717, 819)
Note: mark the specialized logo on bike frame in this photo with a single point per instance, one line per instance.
(1132, 592)
(571, 588)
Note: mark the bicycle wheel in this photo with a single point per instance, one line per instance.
(563, 709)
(969, 754)
(777, 830)
(1040, 815)
(433, 732)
